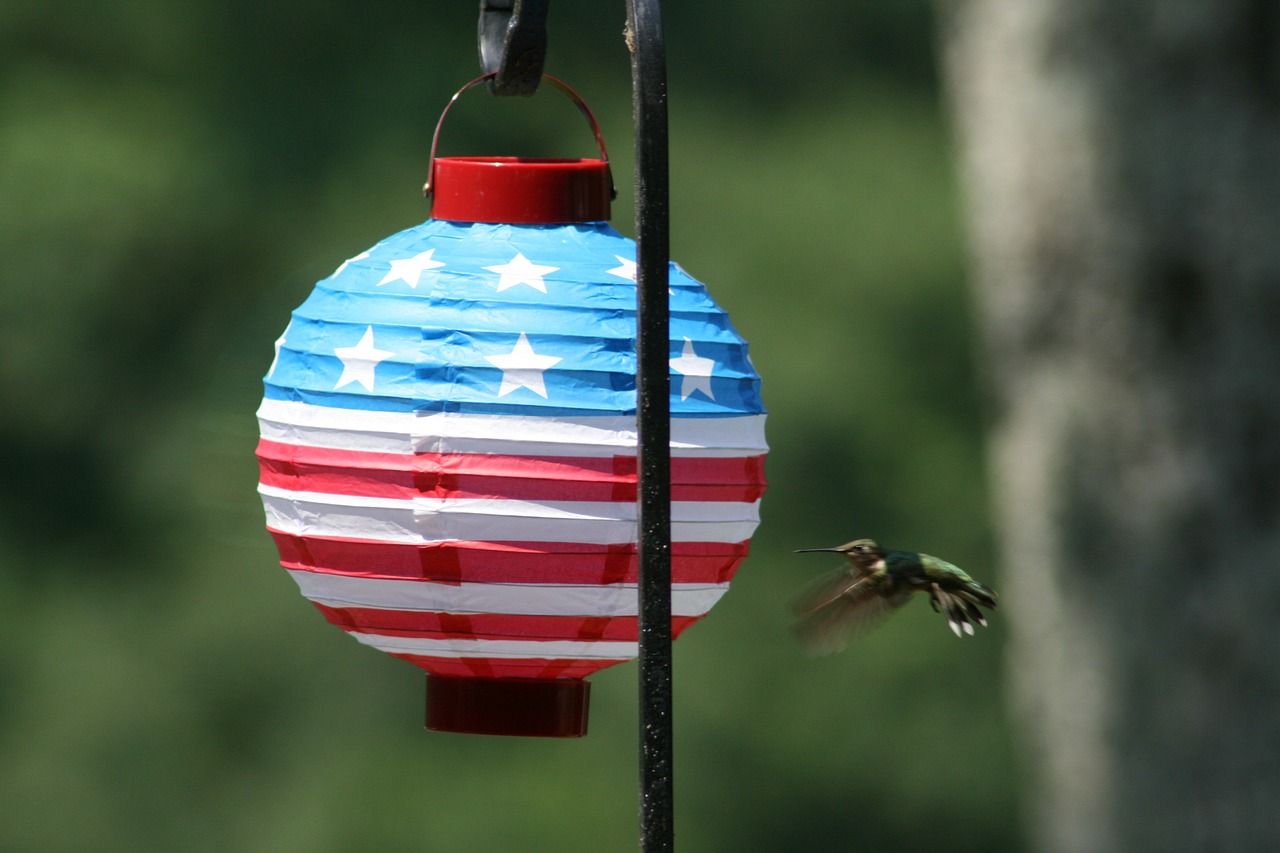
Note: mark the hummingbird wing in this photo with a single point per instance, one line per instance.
(829, 588)
(838, 607)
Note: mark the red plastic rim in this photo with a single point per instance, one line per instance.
(521, 190)
(525, 707)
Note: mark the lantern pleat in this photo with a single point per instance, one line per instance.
(448, 449)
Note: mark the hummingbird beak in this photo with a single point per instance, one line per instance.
(814, 550)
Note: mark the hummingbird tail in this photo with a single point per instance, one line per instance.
(961, 606)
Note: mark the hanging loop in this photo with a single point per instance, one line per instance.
(556, 82)
(512, 37)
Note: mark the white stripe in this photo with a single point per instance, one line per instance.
(419, 520)
(450, 432)
(343, 429)
(605, 600)
(517, 649)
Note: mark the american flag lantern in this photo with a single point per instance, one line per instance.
(448, 444)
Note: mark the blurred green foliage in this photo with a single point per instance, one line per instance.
(176, 176)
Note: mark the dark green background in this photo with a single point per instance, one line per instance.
(173, 180)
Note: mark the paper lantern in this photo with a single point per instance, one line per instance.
(448, 445)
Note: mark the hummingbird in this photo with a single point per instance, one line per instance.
(876, 581)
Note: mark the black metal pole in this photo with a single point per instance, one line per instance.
(653, 421)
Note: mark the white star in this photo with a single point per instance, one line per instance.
(696, 371)
(627, 270)
(360, 361)
(520, 270)
(279, 343)
(522, 368)
(344, 264)
(410, 270)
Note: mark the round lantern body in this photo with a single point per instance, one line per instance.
(448, 452)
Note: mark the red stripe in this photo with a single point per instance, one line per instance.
(475, 475)
(488, 626)
(458, 561)
(508, 667)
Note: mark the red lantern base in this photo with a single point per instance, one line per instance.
(525, 707)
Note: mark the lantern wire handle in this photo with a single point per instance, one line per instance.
(653, 422)
(512, 37)
(559, 84)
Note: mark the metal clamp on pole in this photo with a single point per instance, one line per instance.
(512, 37)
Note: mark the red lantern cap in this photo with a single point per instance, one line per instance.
(527, 707)
(521, 190)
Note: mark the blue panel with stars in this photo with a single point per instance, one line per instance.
(519, 319)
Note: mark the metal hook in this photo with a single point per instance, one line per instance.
(512, 37)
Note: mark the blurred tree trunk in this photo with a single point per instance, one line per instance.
(1122, 165)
